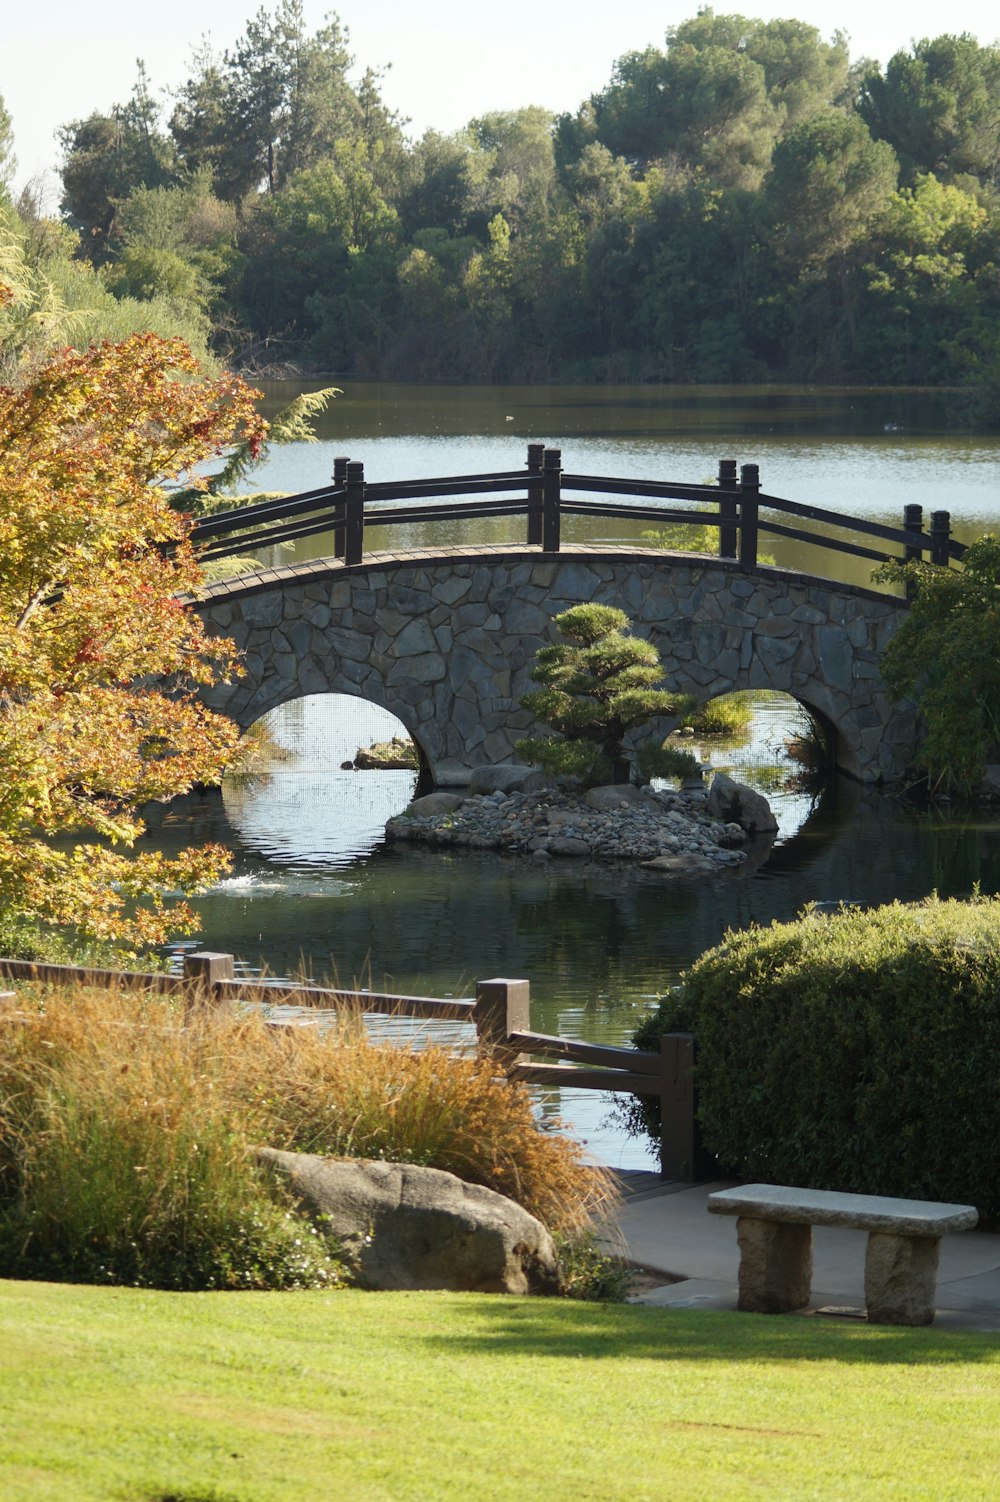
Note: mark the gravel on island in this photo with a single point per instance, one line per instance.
(659, 829)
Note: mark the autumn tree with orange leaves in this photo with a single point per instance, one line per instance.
(100, 658)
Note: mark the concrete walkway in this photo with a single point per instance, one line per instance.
(667, 1229)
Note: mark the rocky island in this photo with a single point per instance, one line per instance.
(525, 813)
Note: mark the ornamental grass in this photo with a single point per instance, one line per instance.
(129, 1123)
(340, 1093)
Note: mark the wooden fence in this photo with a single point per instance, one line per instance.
(543, 494)
(500, 1014)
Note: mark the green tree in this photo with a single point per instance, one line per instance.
(323, 252)
(718, 99)
(936, 105)
(708, 107)
(596, 687)
(829, 183)
(435, 188)
(802, 74)
(177, 243)
(201, 123)
(106, 157)
(511, 167)
(922, 291)
(697, 302)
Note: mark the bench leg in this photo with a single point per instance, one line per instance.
(775, 1265)
(901, 1278)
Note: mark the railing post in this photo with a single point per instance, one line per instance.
(340, 480)
(940, 537)
(205, 970)
(551, 486)
(729, 530)
(681, 1153)
(536, 452)
(502, 1007)
(354, 521)
(913, 521)
(749, 491)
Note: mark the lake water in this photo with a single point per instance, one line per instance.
(314, 885)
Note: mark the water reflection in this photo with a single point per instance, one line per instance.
(300, 806)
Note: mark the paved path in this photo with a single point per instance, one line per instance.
(667, 1229)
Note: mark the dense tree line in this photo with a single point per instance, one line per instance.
(744, 203)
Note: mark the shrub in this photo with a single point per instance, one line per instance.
(944, 656)
(856, 1051)
(729, 714)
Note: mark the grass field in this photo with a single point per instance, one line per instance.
(245, 1397)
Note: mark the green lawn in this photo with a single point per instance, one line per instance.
(317, 1397)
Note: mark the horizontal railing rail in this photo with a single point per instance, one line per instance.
(499, 1012)
(542, 493)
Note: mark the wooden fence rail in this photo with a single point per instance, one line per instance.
(543, 494)
(499, 1012)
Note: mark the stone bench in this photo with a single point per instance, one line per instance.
(774, 1231)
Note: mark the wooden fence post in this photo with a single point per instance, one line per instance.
(340, 480)
(206, 969)
(551, 485)
(681, 1153)
(749, 490)
(536, 452)
(354, 528)
(913, 521)
(729, 530)
(502, 1007)
(940, 537)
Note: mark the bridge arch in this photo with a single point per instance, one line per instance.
(445, 641)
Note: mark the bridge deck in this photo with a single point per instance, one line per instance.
(259, 580)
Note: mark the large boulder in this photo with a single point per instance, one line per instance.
(735, 803)
(402, 1226)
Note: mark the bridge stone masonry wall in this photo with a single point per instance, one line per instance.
(446, 641)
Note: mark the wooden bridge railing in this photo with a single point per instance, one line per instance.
(499, 1012)
(543, 494)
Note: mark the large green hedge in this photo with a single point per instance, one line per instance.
(858, 1051)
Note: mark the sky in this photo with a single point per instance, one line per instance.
(448, 60)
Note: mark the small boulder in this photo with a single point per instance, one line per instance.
(678, 865)
(435, 803)
(403, 1226)
(730, 836)
(735, 803)
(568, 846)
(611, 796)
(506, 778)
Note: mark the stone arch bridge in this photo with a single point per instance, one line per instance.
(445, 640)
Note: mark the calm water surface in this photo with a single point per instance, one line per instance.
(313, 883)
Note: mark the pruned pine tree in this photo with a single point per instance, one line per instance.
(596, 687)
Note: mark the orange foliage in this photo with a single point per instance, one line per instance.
(100, 659)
